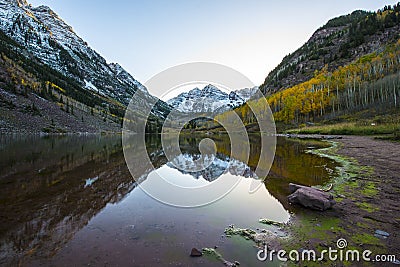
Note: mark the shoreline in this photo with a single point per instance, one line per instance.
(365, 204)
(366, 190)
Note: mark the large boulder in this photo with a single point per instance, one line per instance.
(310, 197)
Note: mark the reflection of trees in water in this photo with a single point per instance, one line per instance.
(293, 165)
(44, 200)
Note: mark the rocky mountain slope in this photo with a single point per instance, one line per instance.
(43, 56)
(337, 43)
(348, 73)
(210, 99)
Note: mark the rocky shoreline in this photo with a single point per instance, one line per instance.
(366, 190)
(366, 213)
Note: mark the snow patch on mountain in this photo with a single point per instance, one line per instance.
(210, 99)
(247, 93)
(53, 42)
(90, 86)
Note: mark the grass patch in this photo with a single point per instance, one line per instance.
(315, 227)
(367, 207)
(248, 234)
(370, 189)
(350, 128)
(269, 222)
(348, 170)
(366, 239)
(392, 137)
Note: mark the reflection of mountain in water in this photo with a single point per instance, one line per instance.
(215, 166)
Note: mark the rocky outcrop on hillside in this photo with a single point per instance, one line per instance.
(43, 57)
(337, 43)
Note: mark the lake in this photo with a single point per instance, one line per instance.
(71, 200)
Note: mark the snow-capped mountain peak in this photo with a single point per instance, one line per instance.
(210, 88)
(52, 41)
(247, 93)
(210, 99)
(42, 37)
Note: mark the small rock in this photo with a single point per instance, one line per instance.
(215, 247)
(228, 263)
(196, 253)
(237, 263)
(381, 234)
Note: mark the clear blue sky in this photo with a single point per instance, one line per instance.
(146, 37)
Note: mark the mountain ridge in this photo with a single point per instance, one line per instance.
(43, 56)
(339, 42)
(210, 99)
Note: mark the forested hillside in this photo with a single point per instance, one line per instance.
(333, 87)
(337, 43)
(372, 81)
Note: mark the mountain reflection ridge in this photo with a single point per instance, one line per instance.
(216, 166)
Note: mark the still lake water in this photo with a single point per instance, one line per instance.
(71, 200)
